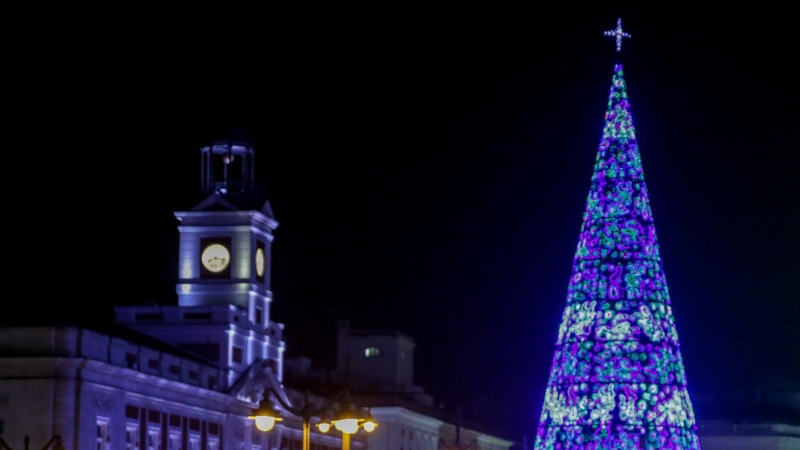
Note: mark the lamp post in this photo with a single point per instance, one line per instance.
(457, 444)
(348, 419)
(54, 443)
(265, 416)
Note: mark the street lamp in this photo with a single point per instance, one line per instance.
(54, 443)
(266, 415)
(348, 419)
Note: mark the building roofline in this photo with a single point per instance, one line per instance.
(368, 333)
(396, 400)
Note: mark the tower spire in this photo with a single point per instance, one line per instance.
(618, 34)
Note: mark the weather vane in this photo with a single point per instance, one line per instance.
(618, 34)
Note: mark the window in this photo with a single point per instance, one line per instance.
(102, 434)
(154, 439)
(237, 355)
(132, 360)
(259, 316)
(131, 412)
(372, 352)
(174, 440)
(132, 436)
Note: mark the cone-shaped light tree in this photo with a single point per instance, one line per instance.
(617, 379)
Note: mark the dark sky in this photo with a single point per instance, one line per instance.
(429, 170)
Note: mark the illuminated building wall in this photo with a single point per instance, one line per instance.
(617, 379)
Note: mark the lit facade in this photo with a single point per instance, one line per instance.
(105, 392)
(102, 392)
(182, 377)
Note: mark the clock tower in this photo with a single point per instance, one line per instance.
(223, 282)
(225, 240)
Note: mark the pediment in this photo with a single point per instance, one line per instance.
(254, 381)
(215, 202)
(218, 202)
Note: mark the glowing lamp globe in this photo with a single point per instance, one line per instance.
(265, 416)
(349, 426)
(265, 423)
(369, 426)
(324, 427)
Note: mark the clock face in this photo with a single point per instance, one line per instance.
(260, 262)
(215, 258)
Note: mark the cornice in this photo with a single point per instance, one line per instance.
(402, 414)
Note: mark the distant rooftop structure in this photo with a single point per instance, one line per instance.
(368, 362)
(378, 360)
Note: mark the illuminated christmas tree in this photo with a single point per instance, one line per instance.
(617, 380)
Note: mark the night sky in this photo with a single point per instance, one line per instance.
(429, 170)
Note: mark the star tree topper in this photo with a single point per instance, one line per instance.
(618, 34)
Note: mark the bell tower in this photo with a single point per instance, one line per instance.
(227, 167)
